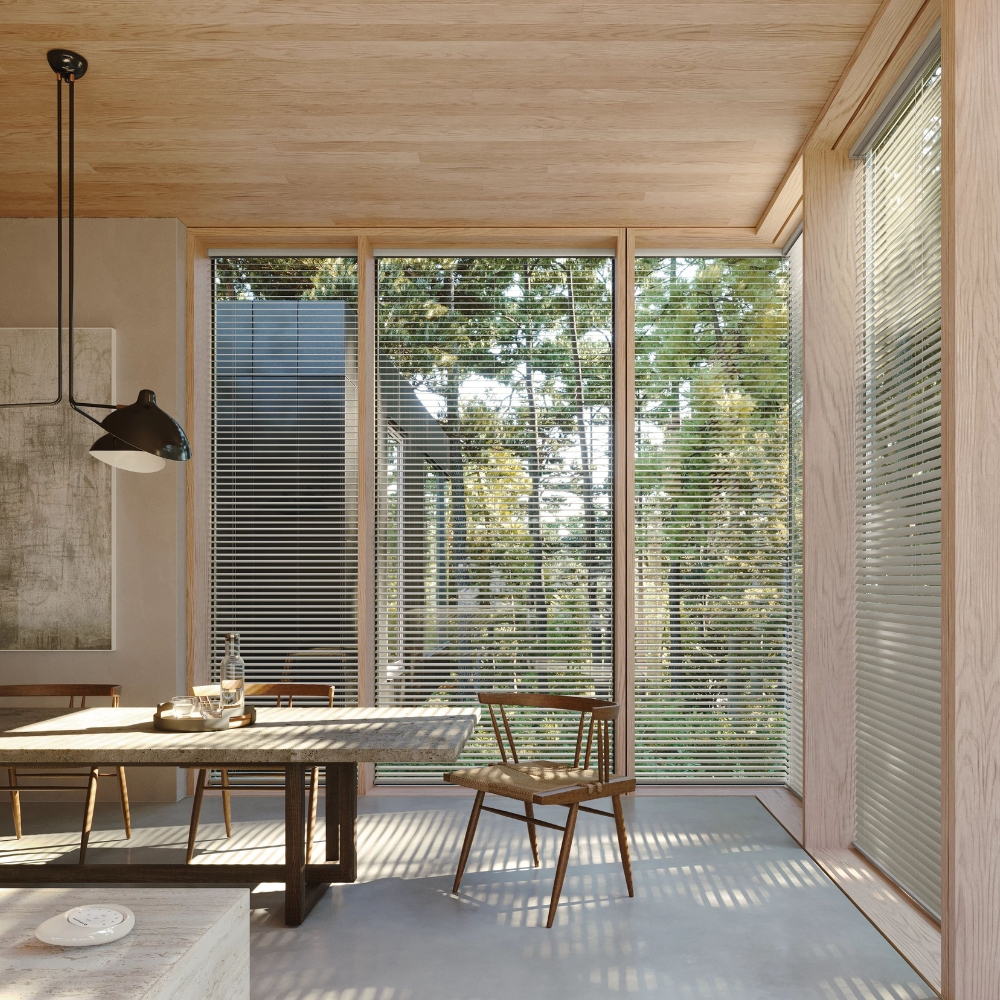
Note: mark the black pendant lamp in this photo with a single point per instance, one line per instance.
(139, 436)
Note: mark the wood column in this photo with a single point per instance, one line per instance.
(624, 501)
(970, 920)
(198, 478)
(829, 281)
(366, 489)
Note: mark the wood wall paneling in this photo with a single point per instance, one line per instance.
(198, 482)
(971, 499)
(828, 500)
(624, 502)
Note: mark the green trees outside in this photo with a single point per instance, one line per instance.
(510, 540)
(513, 357)
(712, 510)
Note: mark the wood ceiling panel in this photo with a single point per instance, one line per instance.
(287, 112)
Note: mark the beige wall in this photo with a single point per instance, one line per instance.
(130, 275)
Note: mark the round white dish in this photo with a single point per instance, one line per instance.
(84, 926)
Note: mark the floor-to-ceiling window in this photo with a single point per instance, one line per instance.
(284, 467)
(898, 470)
(793, 665)
(494, 440)
(493, 454)
(713, 587)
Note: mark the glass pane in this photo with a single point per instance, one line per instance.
(712, 519)
(898, 469)
(284, 468)
(495, 376)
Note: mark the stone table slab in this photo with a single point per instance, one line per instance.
(317, 735)
(186, 944)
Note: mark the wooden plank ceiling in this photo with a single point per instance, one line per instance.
(421, 112)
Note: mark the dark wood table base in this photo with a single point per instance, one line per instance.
(305, 883)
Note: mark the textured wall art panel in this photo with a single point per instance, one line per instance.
(56, 501)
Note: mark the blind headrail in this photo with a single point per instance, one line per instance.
(929, 52)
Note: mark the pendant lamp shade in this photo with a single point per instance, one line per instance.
(145, 427)
(117, 453)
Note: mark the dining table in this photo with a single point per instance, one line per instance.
(295, 739)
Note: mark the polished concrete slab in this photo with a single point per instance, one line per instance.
(727, 906)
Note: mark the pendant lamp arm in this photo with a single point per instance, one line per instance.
(59, 264)
(73, 401)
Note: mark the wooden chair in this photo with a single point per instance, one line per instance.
(283, 689)
(15, 787)
(547, 783)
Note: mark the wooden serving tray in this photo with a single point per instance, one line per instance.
(163, 720)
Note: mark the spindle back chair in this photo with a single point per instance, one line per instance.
(547, 783)
(282, 691)
(14, 775)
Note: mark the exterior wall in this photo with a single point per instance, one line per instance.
(130, 275)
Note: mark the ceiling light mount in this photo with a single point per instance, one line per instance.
(67, 64)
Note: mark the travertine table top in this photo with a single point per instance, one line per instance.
(187, 943)
(281, 735)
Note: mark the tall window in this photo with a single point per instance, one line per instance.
(494, 491)
(284, 468)
(899, 497)
(713, 587)
(794, 664)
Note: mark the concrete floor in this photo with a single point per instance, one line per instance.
(727, 906)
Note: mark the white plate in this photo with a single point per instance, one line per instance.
(87, 925)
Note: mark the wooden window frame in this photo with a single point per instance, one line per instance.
(622, 244)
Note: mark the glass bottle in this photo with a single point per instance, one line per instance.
(232, 671)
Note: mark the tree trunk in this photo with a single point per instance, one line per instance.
(587, 482)
(537, 604)
(464, 594)
(536, 588)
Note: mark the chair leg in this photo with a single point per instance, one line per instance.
(529, 811)
(567, 843)
(88, 813)
(311, 820)
(15, 801)
(470, 833)
(616, 803)
(199, 794)
(227, 813)
(123, 794)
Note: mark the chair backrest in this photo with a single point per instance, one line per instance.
(73, 691)
(290, 690)
(313, 653)
(601, 714)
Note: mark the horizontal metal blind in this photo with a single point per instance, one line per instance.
(794, 664)
(284, 468)
(712, 505)
(494, 488)
(899, 498)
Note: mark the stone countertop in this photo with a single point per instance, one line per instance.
(186, 943)
(311, 735)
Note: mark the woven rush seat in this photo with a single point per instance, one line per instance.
(527, 779)
(547, 782)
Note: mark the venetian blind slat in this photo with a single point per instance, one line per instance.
(494, 433)
(717, 640)
(284, 468)
(899, 498)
